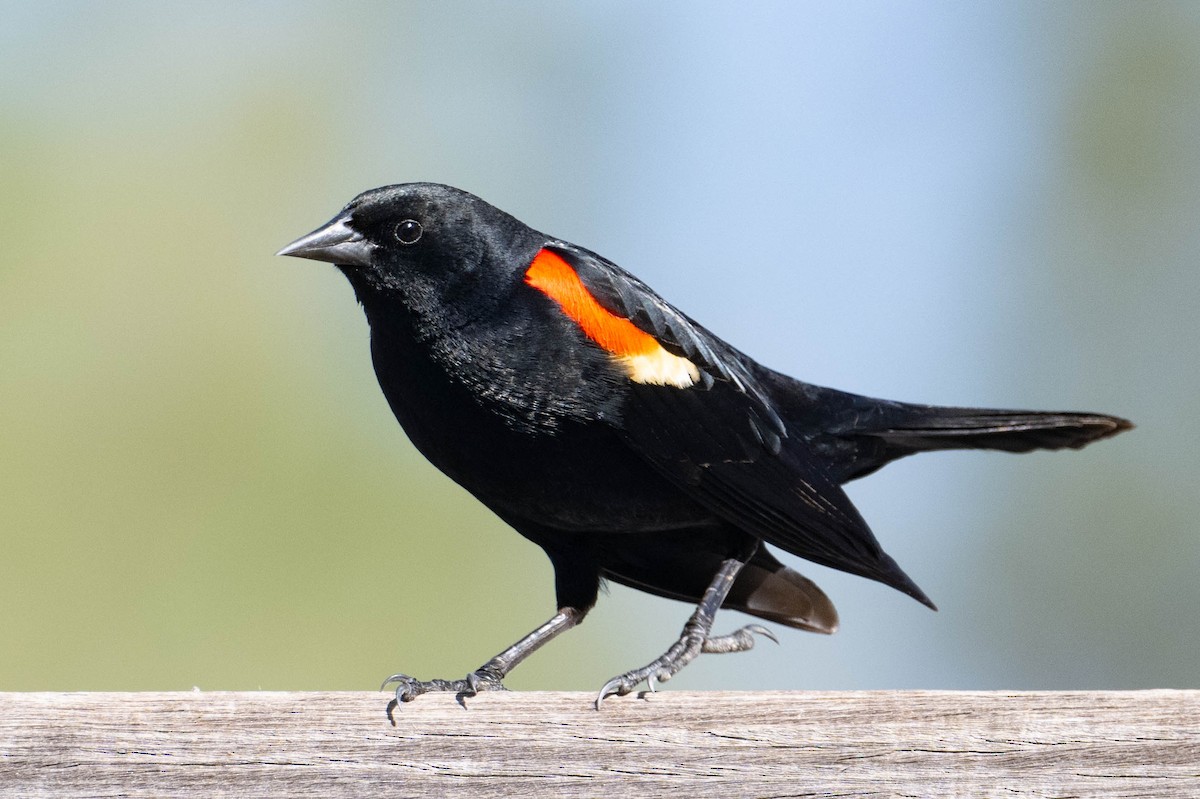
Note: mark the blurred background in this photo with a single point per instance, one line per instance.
(201, 484)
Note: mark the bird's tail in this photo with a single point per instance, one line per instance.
(898, 429)
(919, 428)
(860, 434)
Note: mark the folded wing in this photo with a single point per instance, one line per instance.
(722, 441)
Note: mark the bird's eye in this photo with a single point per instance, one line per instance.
(408, 231)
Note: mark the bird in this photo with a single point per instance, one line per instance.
(625, 439)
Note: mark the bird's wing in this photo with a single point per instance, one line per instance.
(715, 431)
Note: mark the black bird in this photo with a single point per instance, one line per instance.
(615, 432)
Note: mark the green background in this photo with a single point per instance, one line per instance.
(200, 484)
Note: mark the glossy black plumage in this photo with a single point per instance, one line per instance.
(668, 476)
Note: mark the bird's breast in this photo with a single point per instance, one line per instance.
(534, 437)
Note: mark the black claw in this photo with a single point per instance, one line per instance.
(409, 688)
(763, 631)
(395, 678)
(617, 686)
(481, 681)
(737, 641)
(678, 656)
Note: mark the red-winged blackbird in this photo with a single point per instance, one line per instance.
(619, 435)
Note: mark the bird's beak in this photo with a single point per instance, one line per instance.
(335, 243)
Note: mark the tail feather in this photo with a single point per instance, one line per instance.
(857, 435)
(922, 428)
(892, 430)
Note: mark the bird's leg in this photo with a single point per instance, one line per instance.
(693, 640)
(490, 675)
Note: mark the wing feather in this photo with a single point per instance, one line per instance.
(724, 442)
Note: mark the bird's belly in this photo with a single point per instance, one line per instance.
(585, 480)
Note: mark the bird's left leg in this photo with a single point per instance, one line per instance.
(490, 675)
(694, 639)
(576, 583)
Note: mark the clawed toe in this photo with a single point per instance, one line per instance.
(478, 681)
(657, 672)
(626, 683)
(737, 641)
(681, 653)
(409, 688)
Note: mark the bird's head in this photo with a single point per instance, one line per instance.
(436, 251)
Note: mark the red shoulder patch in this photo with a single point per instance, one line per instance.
(639, 353)
(555, 278)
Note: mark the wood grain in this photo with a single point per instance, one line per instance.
(671, 744)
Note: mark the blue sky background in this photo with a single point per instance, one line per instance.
(964, 204)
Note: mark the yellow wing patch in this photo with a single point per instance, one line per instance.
(643, 358)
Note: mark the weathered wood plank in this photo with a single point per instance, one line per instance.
(674, 744)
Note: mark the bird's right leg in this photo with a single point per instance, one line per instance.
(695, 639)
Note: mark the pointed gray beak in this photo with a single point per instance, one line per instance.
(335, 243)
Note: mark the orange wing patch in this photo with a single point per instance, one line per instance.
(644, 359)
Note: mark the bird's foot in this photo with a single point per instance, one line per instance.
(409, 688)
(690, 644)
(738, 640)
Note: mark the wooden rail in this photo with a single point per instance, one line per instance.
(670, 744)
